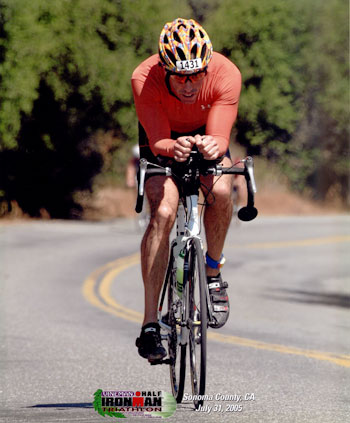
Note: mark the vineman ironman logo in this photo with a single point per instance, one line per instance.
(141, 403)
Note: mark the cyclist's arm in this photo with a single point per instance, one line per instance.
(153, 118)
(223, 112)
(219, 124)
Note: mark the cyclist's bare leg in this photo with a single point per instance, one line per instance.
(163, 198)
(218, 213)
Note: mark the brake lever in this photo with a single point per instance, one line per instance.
(249, 212)
(143, 169)
(141, 187)
(248, 162)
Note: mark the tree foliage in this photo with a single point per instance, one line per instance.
(324, 129)
(65, 70)
(294, 106)
(263, 37)
(81, 47)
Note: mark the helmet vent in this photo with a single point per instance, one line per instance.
(192, 34)
(176, 37)
(180, 53)
(201, 34)
(171, 55)
(166, 40)
(194, 52)
(162, 58)
(203, 52)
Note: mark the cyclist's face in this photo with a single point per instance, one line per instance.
(187, 87)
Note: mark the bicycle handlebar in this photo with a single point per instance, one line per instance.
(247, 213)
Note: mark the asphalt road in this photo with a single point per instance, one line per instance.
(71, 298)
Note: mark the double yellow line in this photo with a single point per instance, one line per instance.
(96, 290)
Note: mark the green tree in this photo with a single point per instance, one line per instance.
(324, 130)
(202, 9)
(294, 105)
(65, 69)
(263, 37)
(79, 47)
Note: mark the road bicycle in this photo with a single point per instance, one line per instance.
(185, 310)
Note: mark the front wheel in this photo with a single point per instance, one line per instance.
(177, 352)
(197, 323)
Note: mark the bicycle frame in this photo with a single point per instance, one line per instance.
(187, 227)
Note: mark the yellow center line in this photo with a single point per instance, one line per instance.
(92, 283)
(339, 359)
(97, 286)
(106, 283)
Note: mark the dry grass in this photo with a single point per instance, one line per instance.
(110, 203)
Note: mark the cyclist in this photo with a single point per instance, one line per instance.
(185, 96)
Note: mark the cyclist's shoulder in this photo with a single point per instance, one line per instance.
(149, 66)
(223, 65)
(224, 79)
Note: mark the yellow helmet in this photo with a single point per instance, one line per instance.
(184, 46)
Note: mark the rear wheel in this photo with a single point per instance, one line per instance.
(197, 320)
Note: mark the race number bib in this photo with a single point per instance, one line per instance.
(189, 65)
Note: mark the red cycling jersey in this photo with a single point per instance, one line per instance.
(159, 112)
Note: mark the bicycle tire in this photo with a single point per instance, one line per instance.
(197, 281)
(177, 352)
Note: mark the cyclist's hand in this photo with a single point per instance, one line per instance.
(182, 148)
(207, 146)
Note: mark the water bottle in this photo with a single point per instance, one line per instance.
(180, 272)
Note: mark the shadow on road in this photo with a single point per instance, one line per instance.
(332, 299)
(64, 405)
